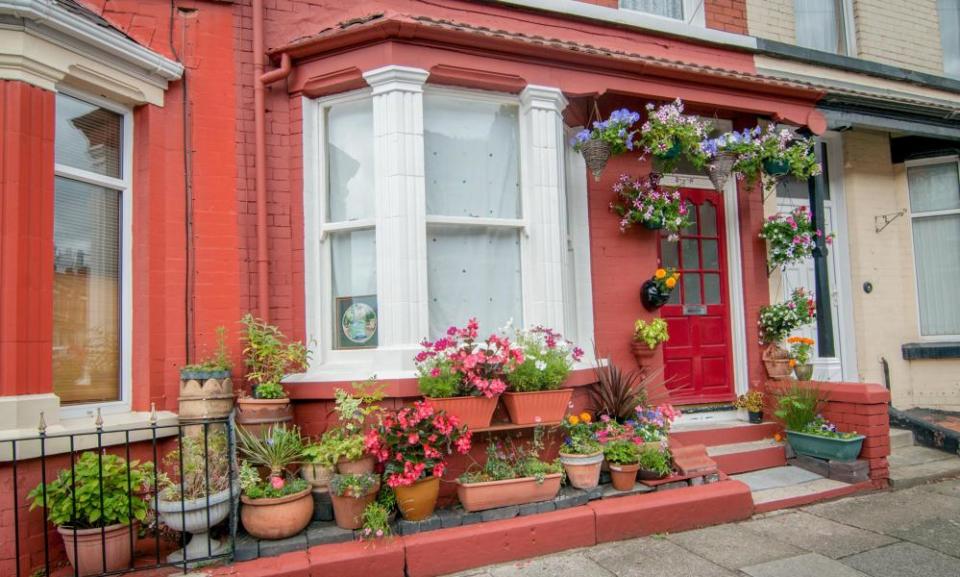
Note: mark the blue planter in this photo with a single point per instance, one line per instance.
(776, 167)
(825, 447)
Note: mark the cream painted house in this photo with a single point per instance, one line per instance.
(891, 74)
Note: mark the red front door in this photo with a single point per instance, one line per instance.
(697, 358)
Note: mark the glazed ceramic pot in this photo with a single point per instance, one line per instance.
(359, 466)
(99, 550)
(192, 517)
(776, 166)
(348, 508)
(474, 412)
(651, 296)
(669, 154)
(583, 471)
(804, 372)
(277, 518)
(418, 501)
(825, 447)
(538, 406)
(624, 477)
(258, 415)
(494, 494)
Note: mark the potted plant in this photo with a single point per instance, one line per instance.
(413, 443)
(464, 376)
(656, 291)
(376, 521)
(317, 466)
(652, 423)
(617, 394)
(345, 442)
(534, 393)
(643, 201)
(276, 504)
(513, 474)
(668, 133)
(655, 462)
(776, 322)
(800, 349)
(351, 494)
(791, 238)
(196, 495)
(647, 337)
(623, 456)
(756, 151)
(808, 432)
(581, 453)
(206, 391)
(752, 403)
(93, 508)
(269, 358)
(606, 138)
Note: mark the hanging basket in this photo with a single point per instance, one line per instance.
(720, 170)
(595, 153)
(651, 297)
(777, 362)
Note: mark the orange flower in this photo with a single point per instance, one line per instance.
(671, 282)
(585, 417)
(573, 419)
(793, 363)
(660, 273)
(777, 437)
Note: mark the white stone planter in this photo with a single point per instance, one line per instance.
(192, 518)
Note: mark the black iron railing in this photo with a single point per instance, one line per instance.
(157, 482)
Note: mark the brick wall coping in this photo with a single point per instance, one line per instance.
(840, 392)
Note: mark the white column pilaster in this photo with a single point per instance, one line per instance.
(541, 157)
(400, 207)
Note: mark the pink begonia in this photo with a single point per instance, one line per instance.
(277, 483)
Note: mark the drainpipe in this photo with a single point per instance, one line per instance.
(261, 80)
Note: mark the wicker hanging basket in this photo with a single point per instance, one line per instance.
(595, 153)
(720, 169)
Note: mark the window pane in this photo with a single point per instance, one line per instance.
(950, 36)
(938, 273)
(354, 281)
(668, 8)
(692, 213)
(350, 161)
(691, 289)
(86, 292)
(88, 137)
(818, 25)
(473, 272)
(711, 289)
(668, 253)
(708, 219)
(711, 258)
(472, 151)
(689, 254)
(934, 187)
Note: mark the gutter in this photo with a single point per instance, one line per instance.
(48, 13)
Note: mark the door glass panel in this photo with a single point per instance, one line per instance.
(692, 229)
(711, 259)
(668, 253)
(691, 289)
(708, 220)
(711, 289)
(690, 255)
(674, 298)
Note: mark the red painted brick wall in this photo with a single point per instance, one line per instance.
(726, 15)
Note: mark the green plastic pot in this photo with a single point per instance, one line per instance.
(671, 153)
(825, 447)
(776, 167)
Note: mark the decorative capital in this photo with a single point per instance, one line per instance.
(543, 97)
(393, 78)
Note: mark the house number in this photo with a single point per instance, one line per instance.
(692, 310)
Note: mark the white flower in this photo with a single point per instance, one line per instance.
(541, 366)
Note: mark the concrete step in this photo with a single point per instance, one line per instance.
(915, 465)
(727, 433)
(734, 458)
(787, 486)
(900, 438)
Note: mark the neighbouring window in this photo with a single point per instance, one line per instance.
(667, 8)
(822, 25)
(89, 190)
(935, 210)
(950, 35)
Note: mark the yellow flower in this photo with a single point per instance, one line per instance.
(585, 417)
(671, 282)
(573, 419)
(660, 273)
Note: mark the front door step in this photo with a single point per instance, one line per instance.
(734, 458)
(788, 486)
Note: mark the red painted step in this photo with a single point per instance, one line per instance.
(723, 434)
(736, 458)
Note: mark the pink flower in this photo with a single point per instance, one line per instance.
(413, 438)
(277, 483)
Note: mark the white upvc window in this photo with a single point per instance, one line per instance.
(934, 186)
(826, 25)
(92, 254)
(425, 206)
(949, 11)
(689, 11)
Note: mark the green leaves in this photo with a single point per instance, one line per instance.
(274, 449)
(798, 407)
(269, 357)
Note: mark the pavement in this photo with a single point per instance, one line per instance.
(913, 532)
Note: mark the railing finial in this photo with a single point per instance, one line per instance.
(42, 425)
(153, 414)
(99, 420)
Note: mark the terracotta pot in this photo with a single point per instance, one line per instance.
(777, 362)
(642, 353)
(348, 509)
(493, 494)
(474, 412)
(359, 466)
(624, 477)
(804, 372)
(277, 518)
(583, 471)
(93, 545)
(258, 415)
(205, 395)
(417, 502)
(316, 474)
(538, 406)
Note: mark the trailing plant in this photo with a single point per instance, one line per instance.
(656, 458)
(668, 129)
(652, 333)
(615, 131)
(274, 449)
(270, 357)
(581, 435)
(74, 498)
(751, 401)
(791, 237)
(621, 452)
(354, 485)
(458, 364)
(824, 428)
(273, 487)
(547, 360)
(777, 321)
(800, 350)
(376, 522)
(755, 147)
(205, 470)
(413, 443)
(509, 459)
(643, 201)
(219, 360)
(798, 407)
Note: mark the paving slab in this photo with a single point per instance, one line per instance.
(776, 477)
(813, 487)
(551, 566)
(917, 455)
(949, 488)
(889, 512)
(903, 476)
(733, 546)
(939, 534)
(826, 537)
(653, 557)
(900, 438)
(904, 560)
(809, 565)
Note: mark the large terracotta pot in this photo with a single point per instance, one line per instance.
(583, 471)
(258, 415)
(95, 545)
(417, 502)
(493, 494)
(348, 509)
(537, 407)
(277, 518)
(624, 477)
(648, 475)
(205, 395)
(777, 362)
(642, 353)
(359, 466)
(474, 412)
(316, 474)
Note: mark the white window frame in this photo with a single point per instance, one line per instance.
(693, 13)
(847, 28)
(955, 160)
(124, 187)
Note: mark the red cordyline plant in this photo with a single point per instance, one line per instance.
(459, 364)
(413, 443)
